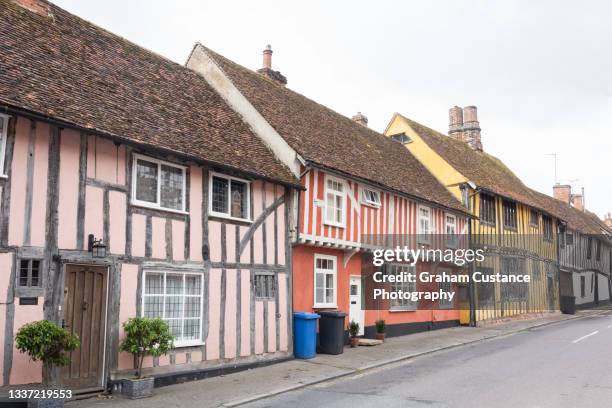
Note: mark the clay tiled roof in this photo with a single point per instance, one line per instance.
(68, 69)
(333, 141)
(485, 170)
(583, 221)
(490, 173)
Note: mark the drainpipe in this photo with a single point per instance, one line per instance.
(471, 289)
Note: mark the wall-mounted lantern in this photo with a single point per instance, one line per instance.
(96, 247)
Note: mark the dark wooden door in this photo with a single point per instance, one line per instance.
(85, 315)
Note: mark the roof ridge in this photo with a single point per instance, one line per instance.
(288, 89)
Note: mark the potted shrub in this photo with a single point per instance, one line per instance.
(380, 329)
(353, 332)
(144, 336)
(45, 341)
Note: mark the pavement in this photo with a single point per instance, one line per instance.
(272, 385)
(564, 365)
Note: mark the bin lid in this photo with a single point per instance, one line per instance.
(332, 313)
(305, 315)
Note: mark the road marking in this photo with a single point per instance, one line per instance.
(584, 337)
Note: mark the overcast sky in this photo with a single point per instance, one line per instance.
(540, 72)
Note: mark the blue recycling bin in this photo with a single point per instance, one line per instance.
(305, 334)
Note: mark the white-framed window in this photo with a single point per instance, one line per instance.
(158, 184)
(177, 298)
(335, 198)
(4, 120)
(230, 197)
(370, 197)
(451, 230)
(406, 303)
(325, 283)
(424, 223)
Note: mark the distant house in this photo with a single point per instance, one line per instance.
(509, 221)
(585, 249)
(361, 191)
(128, 187)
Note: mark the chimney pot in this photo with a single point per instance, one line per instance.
(267, 70)
(455, 125)
(267, 57)
(361, 119)
(578, 201)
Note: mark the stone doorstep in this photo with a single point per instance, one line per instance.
(369, 342)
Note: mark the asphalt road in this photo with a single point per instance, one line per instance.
(563, 365)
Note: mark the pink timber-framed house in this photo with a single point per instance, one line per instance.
(101, 138)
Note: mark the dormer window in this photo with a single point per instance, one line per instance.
(403, 138)
(370, 197)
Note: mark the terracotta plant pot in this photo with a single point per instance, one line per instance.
(380, 336)
(354, 342)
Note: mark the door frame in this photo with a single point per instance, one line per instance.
(107, 268)
(362, 312)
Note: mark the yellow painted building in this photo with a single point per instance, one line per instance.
(509, 220)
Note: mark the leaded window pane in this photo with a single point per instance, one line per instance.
(173, 307)
(146, 181)
(154, 284)
(23, 273)
(220, 195)
(172, 187)
(177, 299)
(239, 199)
(191, 329)
(153, 306)
(35, 273)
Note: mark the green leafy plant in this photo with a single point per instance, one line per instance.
(381, 326)
(47, 342)
(353, 328)
(146, 336)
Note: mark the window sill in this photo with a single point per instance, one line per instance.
(371, 205)
(324, 306)
(192, 343)
(333, 224)
(154, 207)
(4, 176)
(227, 217)
(401, 310)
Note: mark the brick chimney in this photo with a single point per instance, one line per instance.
(361, 119)
(267, 70)
(563, 192)
(578, 201)
(455, 127)
(35, 6)
(608, 220)
(464, 126)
